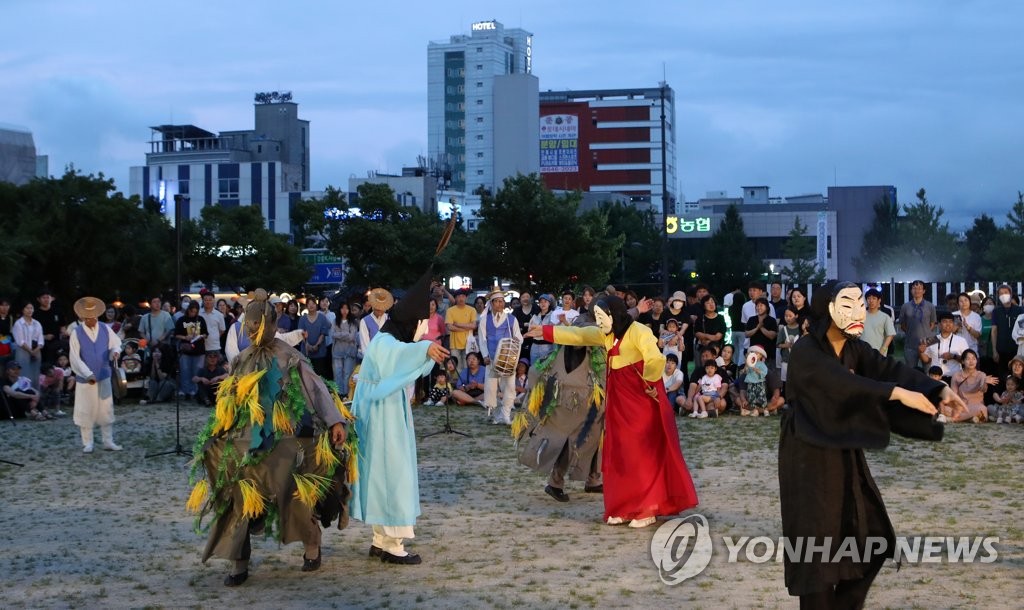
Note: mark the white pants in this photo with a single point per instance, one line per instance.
(106, 433)
(508, 394)
(390, 537)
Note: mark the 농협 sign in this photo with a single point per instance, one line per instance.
(559, 143)
(483, 25)
(699, 225)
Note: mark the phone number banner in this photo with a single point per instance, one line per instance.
(559, 143)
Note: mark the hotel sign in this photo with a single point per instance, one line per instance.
(686, 227)
(484, 25)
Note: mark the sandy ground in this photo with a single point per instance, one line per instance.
(109, 530)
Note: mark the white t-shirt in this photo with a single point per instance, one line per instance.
(953, 344)
(215, 325)
(570, 315)
(972, 320)
(710, 385)
(671, 380)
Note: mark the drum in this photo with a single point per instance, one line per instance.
(507, 356)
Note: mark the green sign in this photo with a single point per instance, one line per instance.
(315, 257)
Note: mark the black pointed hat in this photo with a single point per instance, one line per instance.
(406, 314)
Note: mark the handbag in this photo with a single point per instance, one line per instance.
(190, 348)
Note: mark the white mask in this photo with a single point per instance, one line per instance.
(604, 321)
(988, 308)
(1004, 299)
(848, 312)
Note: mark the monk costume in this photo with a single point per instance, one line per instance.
(559, 430)
(274, 453)
(644, 472)
(844, 397)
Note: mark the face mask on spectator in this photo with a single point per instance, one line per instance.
(988, 308)
(1004, 298)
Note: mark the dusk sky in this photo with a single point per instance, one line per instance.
(795, 95)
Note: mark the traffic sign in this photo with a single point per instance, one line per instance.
(328, 273)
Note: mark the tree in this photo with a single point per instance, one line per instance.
(1003, 260)
(922, 247)
(640, 255)
(979, 238)
(881, 234)
(728, 260)
(800, 249)
(75, 235)
(383, 243)
(310, 218)
(535, 238)
(232, 247)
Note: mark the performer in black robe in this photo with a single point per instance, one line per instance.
(844, 397)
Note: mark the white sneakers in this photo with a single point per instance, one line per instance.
(113, 447)
(87, 449)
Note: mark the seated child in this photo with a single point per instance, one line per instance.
(131, 360)
(522, 375)
(67, 388)
(710, 397)
(673, 379)
(1009, 407)
(441, 391)
(755, 374)
(51, 379)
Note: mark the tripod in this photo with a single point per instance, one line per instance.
(178, 449)
(447, 429)
(10, 416)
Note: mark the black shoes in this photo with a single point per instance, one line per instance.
(412, 559)
(233, 580)
(376, 551)
(556, 493)
(596, 489)
(311, 565)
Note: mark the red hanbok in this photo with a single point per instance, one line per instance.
(643, 467)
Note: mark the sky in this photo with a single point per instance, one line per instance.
(799, 96)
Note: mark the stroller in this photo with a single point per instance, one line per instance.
(131, 377)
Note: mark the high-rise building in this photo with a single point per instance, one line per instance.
(18, 160)
(611, 141)
(482, 108)
(266, 166)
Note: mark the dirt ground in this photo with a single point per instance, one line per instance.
(109, 530)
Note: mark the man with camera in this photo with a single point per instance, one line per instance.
(945, 349)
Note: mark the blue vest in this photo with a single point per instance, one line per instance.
(371, 326)
(243, 337)
(496, 334)
(95, 354)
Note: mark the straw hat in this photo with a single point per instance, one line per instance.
(495, 294)
(380, 298)
(89, 307)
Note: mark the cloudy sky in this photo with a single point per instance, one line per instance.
(795, 95)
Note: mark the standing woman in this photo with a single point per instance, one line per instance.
(190, 331)
(988, 305)
(229, 319)
(798, 301)
(28, 339)
(968, 323)
(344, 336)
(587, 300)
(541, 348)
(844, 397)
(316, 328)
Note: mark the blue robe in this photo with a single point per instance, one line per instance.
(387, 492)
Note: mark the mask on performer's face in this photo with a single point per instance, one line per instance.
(604, 321)
(848, 312)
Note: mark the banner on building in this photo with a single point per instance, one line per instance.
(559, 143)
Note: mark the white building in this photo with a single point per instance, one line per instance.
(482, 109)
(267, 166)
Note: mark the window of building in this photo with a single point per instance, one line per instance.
(479, 83)
(228, 188)
(479, 49)
(479, 155)
(479, 119)
(480, 102)
(479, 136)
(479, 172)
(479, 66)
(259, 148)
